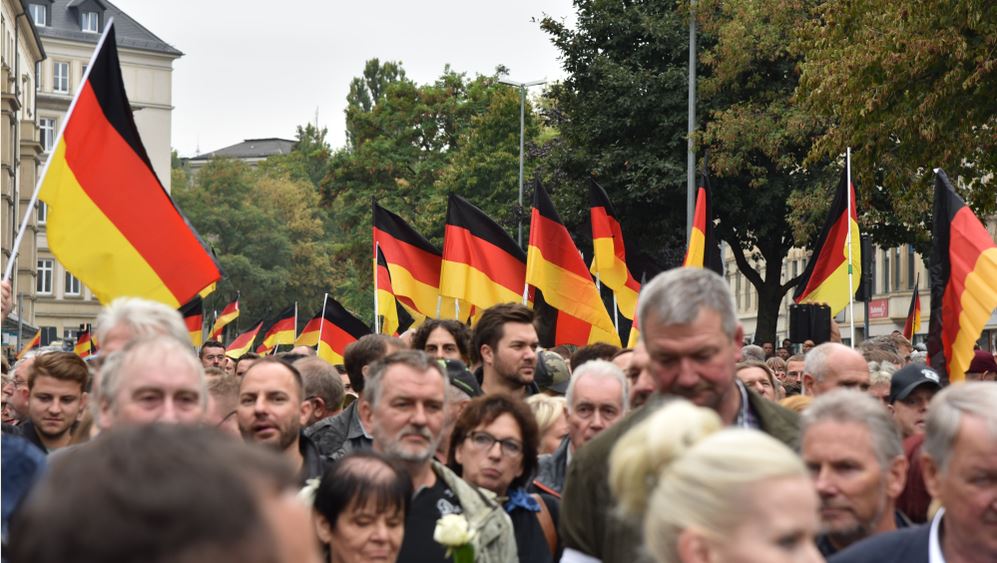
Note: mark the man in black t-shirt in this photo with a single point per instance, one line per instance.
(404, 406)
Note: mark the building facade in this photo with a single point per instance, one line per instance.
(69, 31)
(20, 154)
(894, 273)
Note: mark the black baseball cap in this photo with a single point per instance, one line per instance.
(461, 378)
(904, 381)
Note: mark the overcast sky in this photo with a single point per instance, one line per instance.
(258, 69)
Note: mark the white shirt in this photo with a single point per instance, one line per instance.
(935, 554)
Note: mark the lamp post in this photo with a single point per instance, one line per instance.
(522, 134)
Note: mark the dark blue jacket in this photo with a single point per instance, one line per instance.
(909, 545)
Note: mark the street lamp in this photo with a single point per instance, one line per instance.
(522, 133)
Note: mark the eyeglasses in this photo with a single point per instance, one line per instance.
(484, 441)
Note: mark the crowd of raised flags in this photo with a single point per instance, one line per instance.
(99, 174)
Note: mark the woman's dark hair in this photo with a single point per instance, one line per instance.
(483, 411)
(358, 477)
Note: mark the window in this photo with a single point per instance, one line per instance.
(43, 283)
(46, 133)
(871, 276)
(896, 268)
(83, 74)
(38, 76)
(911, 262)
(72, 286)
(70, 334)
(89, 22)
(886, 270)
(38, 14)
(48, 335)
(42, 212)
(60, 79)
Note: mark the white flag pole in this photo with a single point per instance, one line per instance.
(848, 241)
(377, 315)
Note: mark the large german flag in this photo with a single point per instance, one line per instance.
(482, 265)
(310, 333)
(414, 263)
(394, 319)
(825, 279)
(282, 330)
(193, 318)
(338, 329)
(913, 322)
(33, 343)
(110, 222)
(610, 259)
(555, 267)
(704, 246)
(229, 314)
(243, 343)
(963, 282)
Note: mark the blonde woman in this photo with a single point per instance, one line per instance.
(551, 420)
(706, 493)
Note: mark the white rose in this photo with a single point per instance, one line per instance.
(453, 531)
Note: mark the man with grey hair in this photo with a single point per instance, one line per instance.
(959, 459)
(152, 379)
(831, 366)
(323, 388)
(597, 398)
(855, 456)
(127, 318)
(693, 340)
(753, 352)
(404, 405)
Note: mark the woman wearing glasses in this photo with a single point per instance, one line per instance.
(494, 447)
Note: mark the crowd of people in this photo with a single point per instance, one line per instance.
(451, 442)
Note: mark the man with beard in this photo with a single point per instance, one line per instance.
(272, 411)
(853, 451)
(56, 397)
(693, 339)
(404, 406)
(505, 343)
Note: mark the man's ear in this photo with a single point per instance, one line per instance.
(487, 354)
(932, 475)
(366, 412)
(84, 400)
(896, 477)
(306, 411)
(808, 384)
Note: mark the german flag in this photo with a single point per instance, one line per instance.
(555, 267)
(704, 246)
(482, 265)
(84, 344)
(243, 343)
(414, 263)
(913, 321)
(310, 333)
(282, 330)
(394, 319)
(634, 328)
(338, 329)
(229, 314)
(33, 343)
(825, 279)
(610, 259)
(193, 318)
(963, 281)
(110, 221)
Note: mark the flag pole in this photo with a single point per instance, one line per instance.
(616, 313)
(848, 241)
(377, 316)
(321, 324)
(16, 248)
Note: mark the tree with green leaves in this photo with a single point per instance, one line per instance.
(910, 86)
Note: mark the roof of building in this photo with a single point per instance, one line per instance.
(251, 148)
(64, 23)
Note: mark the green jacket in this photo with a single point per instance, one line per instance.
(589, 523)
(494, 539)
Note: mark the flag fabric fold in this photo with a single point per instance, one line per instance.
(555, 267)
(229, 314)
(110, 221)
(414, 263)
(482, 265)
(282, 330)
(84, 343)
(339, 328)
(825, 279)
(703, 250)
(193, 319)
(913, 322)
(32, 344)
(310, 333)
(243, 343)
(394, 319)
(609, 261)
(963, 271)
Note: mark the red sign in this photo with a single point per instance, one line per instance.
(879, 308)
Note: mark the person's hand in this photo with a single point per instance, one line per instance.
(6, 299)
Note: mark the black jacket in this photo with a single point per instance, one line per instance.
(313, 464)
(338, 435)
(909, 545)
(551, 468)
